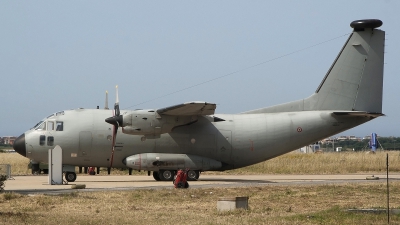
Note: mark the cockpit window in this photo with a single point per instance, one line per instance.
(60, 113)
(50, 125)
(42, 140)
(50, 140)
(34, 127)
(59, 126)
(40, 126)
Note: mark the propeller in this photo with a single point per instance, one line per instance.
(106, 103)
(116, 120)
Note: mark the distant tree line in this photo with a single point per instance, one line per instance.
(3, 146)
(6, 146)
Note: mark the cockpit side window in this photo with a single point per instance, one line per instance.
(50, 140)
(50, 125)
(42, 140)
(59, 126)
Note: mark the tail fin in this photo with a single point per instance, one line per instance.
(355, 80)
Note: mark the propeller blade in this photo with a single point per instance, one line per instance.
(115, 129)
(116, 120)
(106, 103)
(116, 106)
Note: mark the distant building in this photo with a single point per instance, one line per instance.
(8, 140)
(343, 138)
(310, 148)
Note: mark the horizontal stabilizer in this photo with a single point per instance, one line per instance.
(358, 114)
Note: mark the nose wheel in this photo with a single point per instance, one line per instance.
(70, 176)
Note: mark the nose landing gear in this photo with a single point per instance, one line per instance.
(70, 176)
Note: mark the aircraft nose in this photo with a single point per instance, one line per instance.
(19, 145)
(124, 161)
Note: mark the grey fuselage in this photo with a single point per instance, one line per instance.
(240, 140)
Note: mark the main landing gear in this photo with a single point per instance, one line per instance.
(168, 175)
(70, 176)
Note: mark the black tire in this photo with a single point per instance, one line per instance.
(46, 171)
(70, 176)
(186, 185)
(35, 169)
(193, 175)
(155, 176)
(166, 175)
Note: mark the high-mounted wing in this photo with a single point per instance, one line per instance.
(189, 109)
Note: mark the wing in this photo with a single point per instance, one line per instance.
(189, 109)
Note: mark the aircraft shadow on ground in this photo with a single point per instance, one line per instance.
(235, 180)
(152, 181)
(114, 181)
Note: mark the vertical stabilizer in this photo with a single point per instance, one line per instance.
(354, 82)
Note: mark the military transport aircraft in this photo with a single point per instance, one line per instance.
(190, 136)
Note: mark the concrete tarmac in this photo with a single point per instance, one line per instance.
(40, 184)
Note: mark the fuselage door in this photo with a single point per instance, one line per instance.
(85, 143)
(224, 146)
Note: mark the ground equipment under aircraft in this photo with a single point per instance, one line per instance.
(180, 180)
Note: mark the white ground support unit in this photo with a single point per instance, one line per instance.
(232, 203)
(55, 166)
(6, 170)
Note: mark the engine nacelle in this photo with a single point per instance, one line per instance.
(166, 161)
(143, 122)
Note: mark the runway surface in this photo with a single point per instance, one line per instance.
(39, 184)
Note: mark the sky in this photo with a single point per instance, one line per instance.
(241, 55)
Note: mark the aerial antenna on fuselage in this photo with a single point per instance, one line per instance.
(106, 104)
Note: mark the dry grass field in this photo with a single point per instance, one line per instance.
(292, 163)
(325, 163)
(316, 204)
(292, 204)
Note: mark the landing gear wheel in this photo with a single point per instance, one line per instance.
(35, 169)
(193, 175)
(166, 175)
(70, 176)
(156, 176)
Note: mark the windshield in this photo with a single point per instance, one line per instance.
(40, 126)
